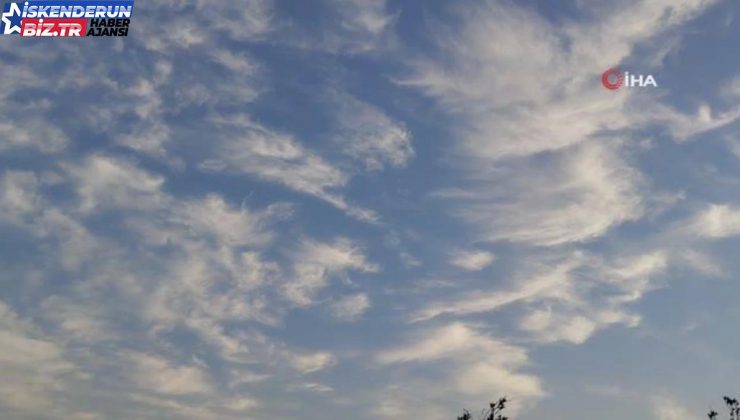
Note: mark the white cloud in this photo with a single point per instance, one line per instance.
(250, 20)
(717, 221)
(668, 408)
(18, 195)
(104, 182)
(702, 263)
(183, 391)
(552, 281)
(507, 91)
(368, 16)
(365, 25)
(308, 363)
(183, 76)
(566, 299)
(532, 118)
(193, 265)
(275, 157)
(468, 364)
(316, 262)
(208, 272)
(213, 218)
(573, 329)
(731, 88)
(241, 404)
(445, 342)
(205, 304)
(685, 126)
(88, 323)
(575, 197)
(251, 149)
(314, 387)
(472, 260)
(155, 374)
(352, 27)
(138, 271)
(734, 146)
(181, 69)
(22, 203)
(34, 134)
(350, 308)
(408, 260)
(36, 372)
(369, 136)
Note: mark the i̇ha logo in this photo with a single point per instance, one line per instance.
(614, 79)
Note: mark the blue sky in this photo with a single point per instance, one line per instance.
(372, 209)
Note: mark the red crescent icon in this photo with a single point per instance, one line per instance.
(612, 72)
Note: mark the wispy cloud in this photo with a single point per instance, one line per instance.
(308, 363)
(472, 260)
(352, 27)
(350, 308)
(533, 119)
(252, 149)
(472, 364)
(36, 370)
(717, 221)
(315, 263)
(668, 408)
(568, 298)
(369, 136)
(158, 375)
(192, 265)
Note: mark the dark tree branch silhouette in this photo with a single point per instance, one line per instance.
(733, 406)
(466, 415)
(493, 412)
